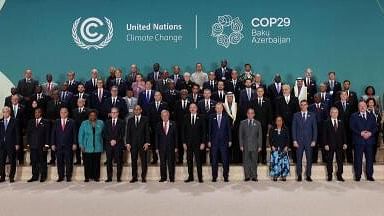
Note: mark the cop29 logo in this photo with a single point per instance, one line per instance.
(90, 37)
(224, 36)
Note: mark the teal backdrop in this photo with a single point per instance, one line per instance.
(346, 36)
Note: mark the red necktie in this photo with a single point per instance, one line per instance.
(165, 128)
(63, 124)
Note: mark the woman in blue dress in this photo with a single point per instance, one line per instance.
(279, 140)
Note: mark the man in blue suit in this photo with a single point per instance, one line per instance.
(63, 142)
(220, 139)
(146, 97)
(304, 136)
(364, 128)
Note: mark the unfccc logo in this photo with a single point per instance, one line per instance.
(222, 38)
(91, 39)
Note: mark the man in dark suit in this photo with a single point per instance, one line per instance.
(321, 112)
(120, 83)
(333, 86)
(146, 97)
(286, 106)
(345, 112)
(234, 84)
(66, 95)
(171, 96)
(114, 143)
(195, 95)
(247, 96)
(211, 83)
(181, 109)
(9, 143)
(155, 109)
(19, 112)
(98, 98)
(162, 84)
(79, 114)
(38, 139)
(364, 128)
(91, 84)
(80, 94)
(40, 98)
(166, 141)
(310, 83)
(224, 72)
(7, 100)
(26, 87)
(304, 136)
(351, 95)
(138, 142)
(64, 142)
(155, 75)
(263, 113)
(219, 95)
(71, 82)
(275, 89)
(115, 101)
(176, 76)
(334, 142)
(193, 138)
(219, 140)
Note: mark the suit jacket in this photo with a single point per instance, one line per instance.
(42, 102)
(198, 98)
(311, 89)
(79, 117)
(53, 110)
(219, 73)
(215, 96)
(321, 113)
(181, 84)
(130, 105)
(179, 112)
(145, 102)
(120, 104)
(27, 89)
(171, 96)
(166, 142)
(336, 88)
(47, 90)
(162, 86)
(201, 106)
(234, 88)
(114, 133)
(286, 110)
(207, 85)
(250, 136)
(76, 96)
(64, 139)
(89, 88)
(73, 87)
(272, 91)
(358, 124)
(9, 137)
(193, 134)
(38, 136)
(304, 131)
(96, 103)
(151, 77)
(66, 98)
(334, 138)
(344, 114)
(219, 135)
(122, 86)
(20, 116)
(138, 135)
(244, 102)
(263, 113)
(155, 114)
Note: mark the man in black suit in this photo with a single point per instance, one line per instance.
(41, 99)
(211, 83)
(333, 86)
(155, 109)
(155, 75)
(258, 82)
(72, 83)
(115, 101)
(224, 72)
(138, 142)
(247, 96)
(233, 85)
(286, 106)
(181, 109)
(275, 89)
(9, 143)
(195, 95)
(351, 95)
(345, 112)
(146, 97)
(64, 142)
(19, 112)
(162, 84)
(310, 83)
(66, 95)
(7, 100)
(80, 94)
(98, 98)
(171, 96)
(26, 87)
(114, 132)
(79, 114)
(193, 139)
(176, 76)
(38, 139)
(120, 83)
(334, 142)
(219, 95)
(166, 141)
(263, 113)
(91, 84)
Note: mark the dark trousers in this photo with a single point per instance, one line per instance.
(153, 147)
(114, 153)
(221, 150)
(350, 147)
(78, 154)
(180, 154)
(299, 159)
(339, 160)
(53, 157)
(39, 163)
(167, 160)
(92, 165)
(263, 152)
(367, 150)
(64, 163)
(11, 154)
(135, 152)
(193, 151)
(20, 152)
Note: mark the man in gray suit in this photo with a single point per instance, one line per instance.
(304, 136)
(250, 141)
(131, 103)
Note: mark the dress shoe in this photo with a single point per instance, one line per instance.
(172, 180)
(357, 179)
(162, 180)
(201, 181)
(370, 178)
(2, 180)
(340, 178)
(118, 180)
(96, 180)
(254, 179)
(226, 180)
(108, 180)
(283, 179)
(214, 180)
(32, 179)
(69, 179)
(299, 178)
(247, 179)
(274, 178)
(329, 178)
(60, 180)
(308, 179)
(143, 180)
(11, 180)
(86, 180)
(43, 179)
(188, 180)
(154, 162)
(133, 180)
